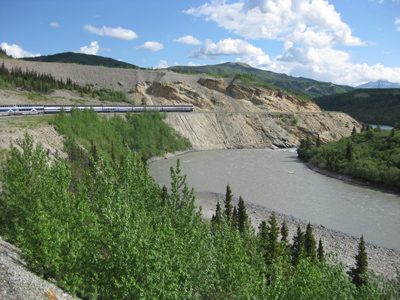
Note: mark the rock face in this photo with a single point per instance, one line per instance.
(226, 113)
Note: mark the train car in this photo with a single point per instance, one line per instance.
(21, 109)
(24, 109)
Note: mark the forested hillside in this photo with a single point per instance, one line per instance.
(82, 59)
(372, 155)
(113, 233)
(371, 106)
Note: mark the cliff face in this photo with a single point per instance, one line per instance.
(226, 113)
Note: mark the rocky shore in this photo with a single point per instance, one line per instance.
(381, 260)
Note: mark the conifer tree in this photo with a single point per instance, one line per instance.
(164, 196)
(284, 234)
(235, 217)
(321, 251)
(243, 218)
(310, 244)
(217, 218)
(298, 246)
(319, 143)
(273, 247)
(354, 130)
(361, 264)
(228, 204)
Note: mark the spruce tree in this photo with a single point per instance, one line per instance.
(243, 218)
(217, 218)
(273, 247)
(235, 217)
(298, 246)
(321, 251)
(319, 143)
(361, 264)
(284, 234)
(164, 196)
(310, 244)
(354, 130)
(228, 204)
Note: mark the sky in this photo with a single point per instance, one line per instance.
(347, 42)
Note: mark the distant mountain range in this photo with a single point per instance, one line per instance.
(297, 85)
(380, 84)
(82, 59)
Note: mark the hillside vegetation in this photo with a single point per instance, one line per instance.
(371, 106)
(372, 155)
(297, 85)
(82, 59)
(117, 235)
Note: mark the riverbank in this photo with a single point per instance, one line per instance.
(381, 260)
(351, 179)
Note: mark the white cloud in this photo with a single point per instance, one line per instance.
(162, 64)
(16, 51)
(151, 46)
(301, 21)
(118, 33)
(397, 22)
(54, 24)
(188, 39)
(226, 47)
(93, 49)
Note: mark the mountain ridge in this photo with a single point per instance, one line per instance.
(298, 85)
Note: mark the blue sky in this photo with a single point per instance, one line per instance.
(343, 41)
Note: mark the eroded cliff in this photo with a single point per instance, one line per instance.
(227, 114)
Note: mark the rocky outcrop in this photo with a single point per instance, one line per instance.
(261, 130)
(227, 114)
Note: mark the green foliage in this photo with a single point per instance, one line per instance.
(119, 236)
(368, 105)
(228, 204)
(34, 81)
(361, 265)
(242, 217)
(145, 133)
(370, 155)
(83, 59)
(3, 53)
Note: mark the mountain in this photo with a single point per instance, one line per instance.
(297, 85)
(380, 84)
(82, 59)
(372, 106)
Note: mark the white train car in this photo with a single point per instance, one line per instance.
(29, 109)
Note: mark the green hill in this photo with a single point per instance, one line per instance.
(374, 106)
(82, 59)
(297, 85)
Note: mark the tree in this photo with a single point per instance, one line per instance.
(321, 251)
(273, 250)
(284, 234)
(310, 244)
(228, 204)
(243, 218)
(354, 130)
(217, 218)
(319, 143)
(298, 246)
(361, 265)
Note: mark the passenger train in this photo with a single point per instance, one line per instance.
(34, 109)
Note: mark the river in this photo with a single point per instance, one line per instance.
(279, 181)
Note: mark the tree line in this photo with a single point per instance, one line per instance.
(372, 154)
(34, 81)
(118, 235)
